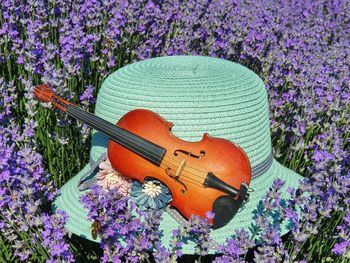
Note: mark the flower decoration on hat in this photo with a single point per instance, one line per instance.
(109, 178)
(151, 194)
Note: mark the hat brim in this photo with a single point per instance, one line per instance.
(68, 201)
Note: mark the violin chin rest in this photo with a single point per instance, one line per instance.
(225, 207)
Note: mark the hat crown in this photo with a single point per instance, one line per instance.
(198, 94)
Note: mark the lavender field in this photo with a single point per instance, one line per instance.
(301, 49)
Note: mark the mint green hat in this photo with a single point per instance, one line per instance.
(199, 95)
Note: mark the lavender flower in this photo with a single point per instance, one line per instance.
(25, 188)
(53, 227)
(196, 229)
(127, 233)
(87, 97)
(342, 247)
(234, 247)
(299, 48)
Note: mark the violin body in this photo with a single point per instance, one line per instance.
(222, 157)
(212, 174)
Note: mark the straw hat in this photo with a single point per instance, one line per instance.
(199, 95)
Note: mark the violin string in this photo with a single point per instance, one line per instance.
(183, 175)
(172, 161)
(141, 146)
(174, 167)
(123, 140)
(184, 169)
(169, 160)
(201, 174)
(188, 179)
(194, 168)
(141, 141)
(143, 149)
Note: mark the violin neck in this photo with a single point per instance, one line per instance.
(144, 148)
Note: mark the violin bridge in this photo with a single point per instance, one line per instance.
(175, 177)
(181, 168)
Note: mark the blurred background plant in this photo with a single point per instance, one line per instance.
(299, 48)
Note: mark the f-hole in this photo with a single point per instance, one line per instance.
(198, 156)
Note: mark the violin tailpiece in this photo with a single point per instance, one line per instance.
(214, 182)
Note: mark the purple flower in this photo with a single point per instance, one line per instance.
(300, 52)
(342, 247)
(127, 233)
(25, 188)
(88, 96)
(235, 247)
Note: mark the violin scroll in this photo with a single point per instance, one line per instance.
(45, 94)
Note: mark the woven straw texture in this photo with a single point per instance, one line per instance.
(198, 94)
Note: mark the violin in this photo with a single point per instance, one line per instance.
(212, 174)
